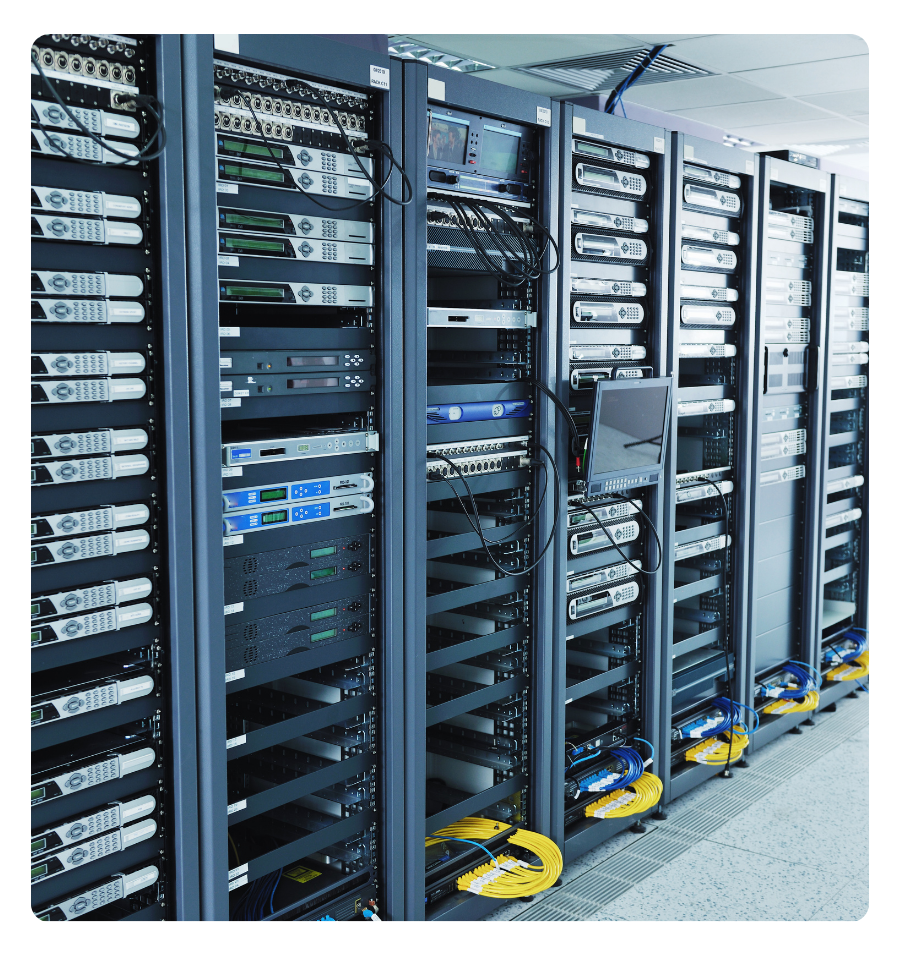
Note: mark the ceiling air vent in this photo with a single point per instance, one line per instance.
(606, 71)
(406, 49)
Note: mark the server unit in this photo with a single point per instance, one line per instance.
(711, 349)
(794, 241)
(110, 800)
(480, 474)
(844, 528)
(613, 308)
(291, 138)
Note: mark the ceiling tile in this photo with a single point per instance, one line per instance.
(502, 49)
(850, 103)
(816, 131)
(762, 113)
(805, 79)
(534, 84)
(695, 93)
(731, 52)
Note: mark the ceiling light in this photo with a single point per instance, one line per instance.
(406, 49)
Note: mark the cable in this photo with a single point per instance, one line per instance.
(369, 144)
(640, 796)
(636, 73)
(142, 155)
(237, 858)
(715, 752)
(573, 428)
(652, 748)
(850, 670)
(612, 541)
(793, 705)
(479, 529)
(646, 517)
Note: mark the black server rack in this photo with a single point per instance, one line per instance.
(792, 293)
(842, 625)
(613, 309)
(711, 355)
(480, 320)
(291, 285)
(112, 771)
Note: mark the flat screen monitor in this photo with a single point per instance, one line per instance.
(629, 430)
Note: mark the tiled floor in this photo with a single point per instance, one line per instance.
(785, 839)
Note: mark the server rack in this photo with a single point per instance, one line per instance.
(711, 353)
(477, 664)
(844, 530)
(607, 666)
(792, 290)
(296, 471)
(113, 785)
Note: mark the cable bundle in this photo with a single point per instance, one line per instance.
(850, 670)
(801, 680)
(716, 751)
(521, 255)
(792, 705)
(640, 796)
(602, 780)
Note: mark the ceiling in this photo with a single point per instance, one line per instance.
(767, 90)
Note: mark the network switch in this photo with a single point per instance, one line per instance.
(715, 406)
(703, 546)
(605, 536)
(609, 247)
(608, 313)
(265, 519)
(712, 350)
(722, 237)
(295, 293)
(777, 444)
(610, 180)
(98, 232)
(704, 198)
(84, 203)
(293, 447)
(104, 284)
(784, 225)
(794, 473)
(103, 518)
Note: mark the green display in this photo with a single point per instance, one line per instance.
(237, 244)
(252, 149)
(35, 609)
(274, 517)
(260, 222)
(597, 174)
(321, 615)
(305, 448)
(260, 291)
(38, 794)
(323, 552)
(38, 871)
(33, 556)
(38, 845)
(35, 637)
(33, 530)
(255, 172)
(323, 635)
(322, 573)
(273, 494)
(36, 715)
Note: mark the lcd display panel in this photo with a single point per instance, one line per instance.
(499, 152)
(448, 140)
(628, 429)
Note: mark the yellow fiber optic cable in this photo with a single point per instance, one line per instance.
(794, 705)
(643, 794)
(715, 751)
(851, 670)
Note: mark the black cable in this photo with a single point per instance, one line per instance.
(479, 530)
(573, 428)
(372, 144)
(612, 540)
(141, 156)
(633, 76)
(646, 517)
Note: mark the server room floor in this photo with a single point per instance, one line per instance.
(755, 847)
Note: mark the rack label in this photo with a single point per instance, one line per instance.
(240, 881)
(579, 124)
(225, 386)
(234, 675)
(659, 144)
(240, 393)
(748, 167)
(543, 116)
(232, 539)
(225, 361)
(227, 188)
(437, 89)
(229, 332)
(234, 807)
(229, 403)
(688, 151)
(379, 76)
(238, 871)
(235, 742)
(229, 261)
(234, 608)
(234, 472)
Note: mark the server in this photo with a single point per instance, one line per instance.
(794, 241)
(291, 141)
(103, 640)
(611, 379)
(481, 476)
(844, 529)
(713, 310)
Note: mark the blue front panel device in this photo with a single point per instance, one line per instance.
(477, 411)
(272, 494)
